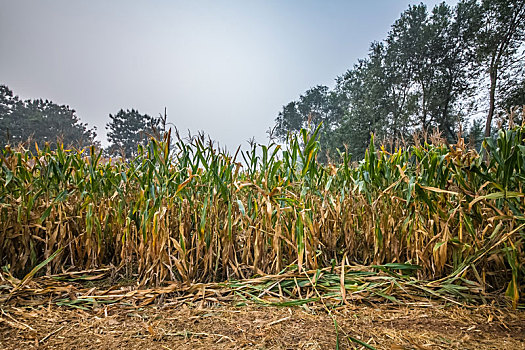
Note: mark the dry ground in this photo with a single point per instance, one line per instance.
(224, 326)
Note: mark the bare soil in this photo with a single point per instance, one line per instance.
(225, 326)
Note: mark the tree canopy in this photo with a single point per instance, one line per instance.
(128, 129)
(40, 121)
(430, 72)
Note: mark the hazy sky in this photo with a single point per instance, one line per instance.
(224, 67)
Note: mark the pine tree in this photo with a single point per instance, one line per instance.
(128, 129)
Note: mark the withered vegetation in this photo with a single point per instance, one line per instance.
(437, 218)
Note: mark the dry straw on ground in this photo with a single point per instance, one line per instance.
(191, 326)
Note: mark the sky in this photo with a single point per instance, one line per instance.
(222, 67)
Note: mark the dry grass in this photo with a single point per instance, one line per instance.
(190, 326)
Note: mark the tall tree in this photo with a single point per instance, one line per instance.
(416, 78)
(317, 105)
(9, 104)
(435, 53)
(128, 129)
(412, 80)
(422, 76)
(367, 89)
(474, 134)
(288, 120)
(514, 96)
(41, 121)
(501, 35)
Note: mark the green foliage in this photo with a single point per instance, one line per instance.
(127, 130)
(475, 135)
(514, 97)
(318, 106)
(39, 121)
(424, 76)
(499, 42)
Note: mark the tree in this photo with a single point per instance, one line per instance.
(9, 104)
(450, 36)
(288, 120)
(424, 75)
(416, 79)
(514, 96)
(474, 135)
(412, 80)
(128, 129)
(40, 121)
(501, 35)
(317, 105)
(367, 91)
(434, 52)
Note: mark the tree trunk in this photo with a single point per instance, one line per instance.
(491, 103)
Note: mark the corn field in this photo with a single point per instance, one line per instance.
(192, 213)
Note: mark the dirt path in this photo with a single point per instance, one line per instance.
(256, 327)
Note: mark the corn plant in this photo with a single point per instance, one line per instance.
(197, 213)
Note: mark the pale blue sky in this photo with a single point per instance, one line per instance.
(224, 67)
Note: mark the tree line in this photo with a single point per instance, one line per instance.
(41, 121)
(38, 122)
(433, 71)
